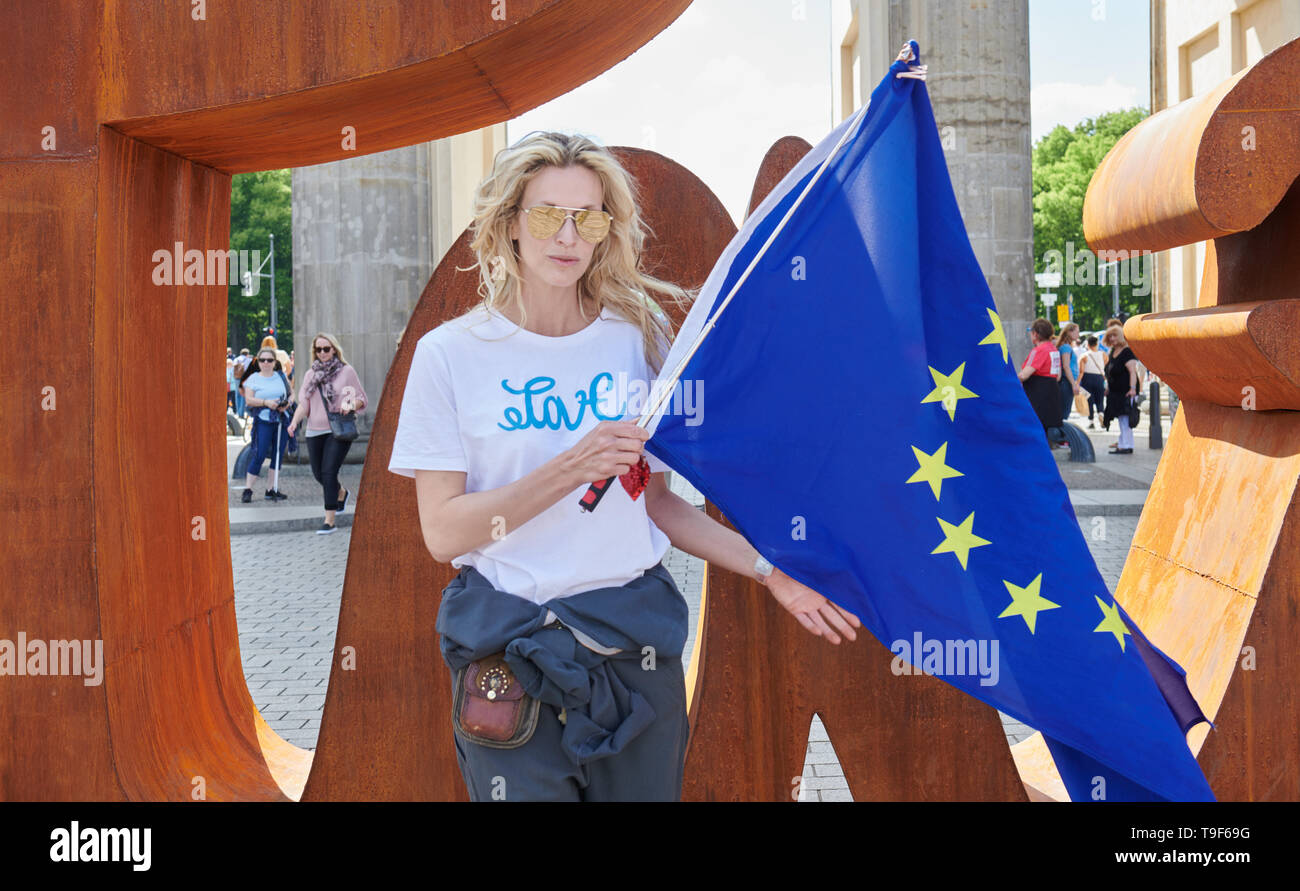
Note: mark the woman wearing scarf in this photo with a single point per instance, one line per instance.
(331, 385)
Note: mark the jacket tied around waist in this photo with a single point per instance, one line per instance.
(567, 666)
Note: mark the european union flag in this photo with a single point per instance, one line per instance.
(866, 432)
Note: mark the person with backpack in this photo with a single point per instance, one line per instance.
(267, 393)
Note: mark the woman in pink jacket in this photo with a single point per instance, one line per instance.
(331, 384)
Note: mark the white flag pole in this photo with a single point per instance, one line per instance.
(667, 388)
(916, 72)
(597, 489)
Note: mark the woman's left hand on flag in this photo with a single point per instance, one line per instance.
(814, 612)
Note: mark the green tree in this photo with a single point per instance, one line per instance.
(260, 206)
(1063, 164)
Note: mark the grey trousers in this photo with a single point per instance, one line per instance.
(649, 768)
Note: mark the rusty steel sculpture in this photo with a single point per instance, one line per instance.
(1213, 575)
(126, 122)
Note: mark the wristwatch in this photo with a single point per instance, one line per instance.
(763, 568)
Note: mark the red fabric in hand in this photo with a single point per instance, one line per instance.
(637, 478)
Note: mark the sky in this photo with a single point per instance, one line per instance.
(729, 77)
(1086, 57)
(713, 106)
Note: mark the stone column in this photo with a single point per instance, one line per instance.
(978, 55)
(367, 234)
(1161, 300)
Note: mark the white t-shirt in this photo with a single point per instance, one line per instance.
(496, 401)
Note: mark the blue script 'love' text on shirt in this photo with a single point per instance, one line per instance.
(497, 401)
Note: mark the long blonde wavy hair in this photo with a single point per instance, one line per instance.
(614, 279)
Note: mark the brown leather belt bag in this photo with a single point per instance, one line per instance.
(490, 707)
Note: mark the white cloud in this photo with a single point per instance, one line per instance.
(723, 141)
(717, 117)
(712, 92)
(1069, 103)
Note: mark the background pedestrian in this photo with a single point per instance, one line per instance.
(267, 392)
(330, 385)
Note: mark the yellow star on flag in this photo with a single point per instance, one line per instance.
(948, 389)
(997, 335)
(958, 540)
(1026, 602)
(933, 470)
(1112, 623)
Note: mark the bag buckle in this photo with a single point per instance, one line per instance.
(494, 682)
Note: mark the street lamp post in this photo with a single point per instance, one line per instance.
(248, 290)
(1114, 287)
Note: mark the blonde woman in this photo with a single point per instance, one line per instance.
(1066, 341)
(330, 385)
(1122, 381)
(509, 413)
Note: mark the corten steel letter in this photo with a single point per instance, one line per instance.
(1213, 575)
(126, 121)
(123, 124)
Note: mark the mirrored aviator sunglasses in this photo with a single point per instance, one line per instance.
(544, 220)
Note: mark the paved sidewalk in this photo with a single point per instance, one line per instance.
(287, 621)
(1116, 485)
(303, 510)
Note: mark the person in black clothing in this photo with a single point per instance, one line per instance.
(1121, 378)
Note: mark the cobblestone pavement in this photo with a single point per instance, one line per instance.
(297, 483)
